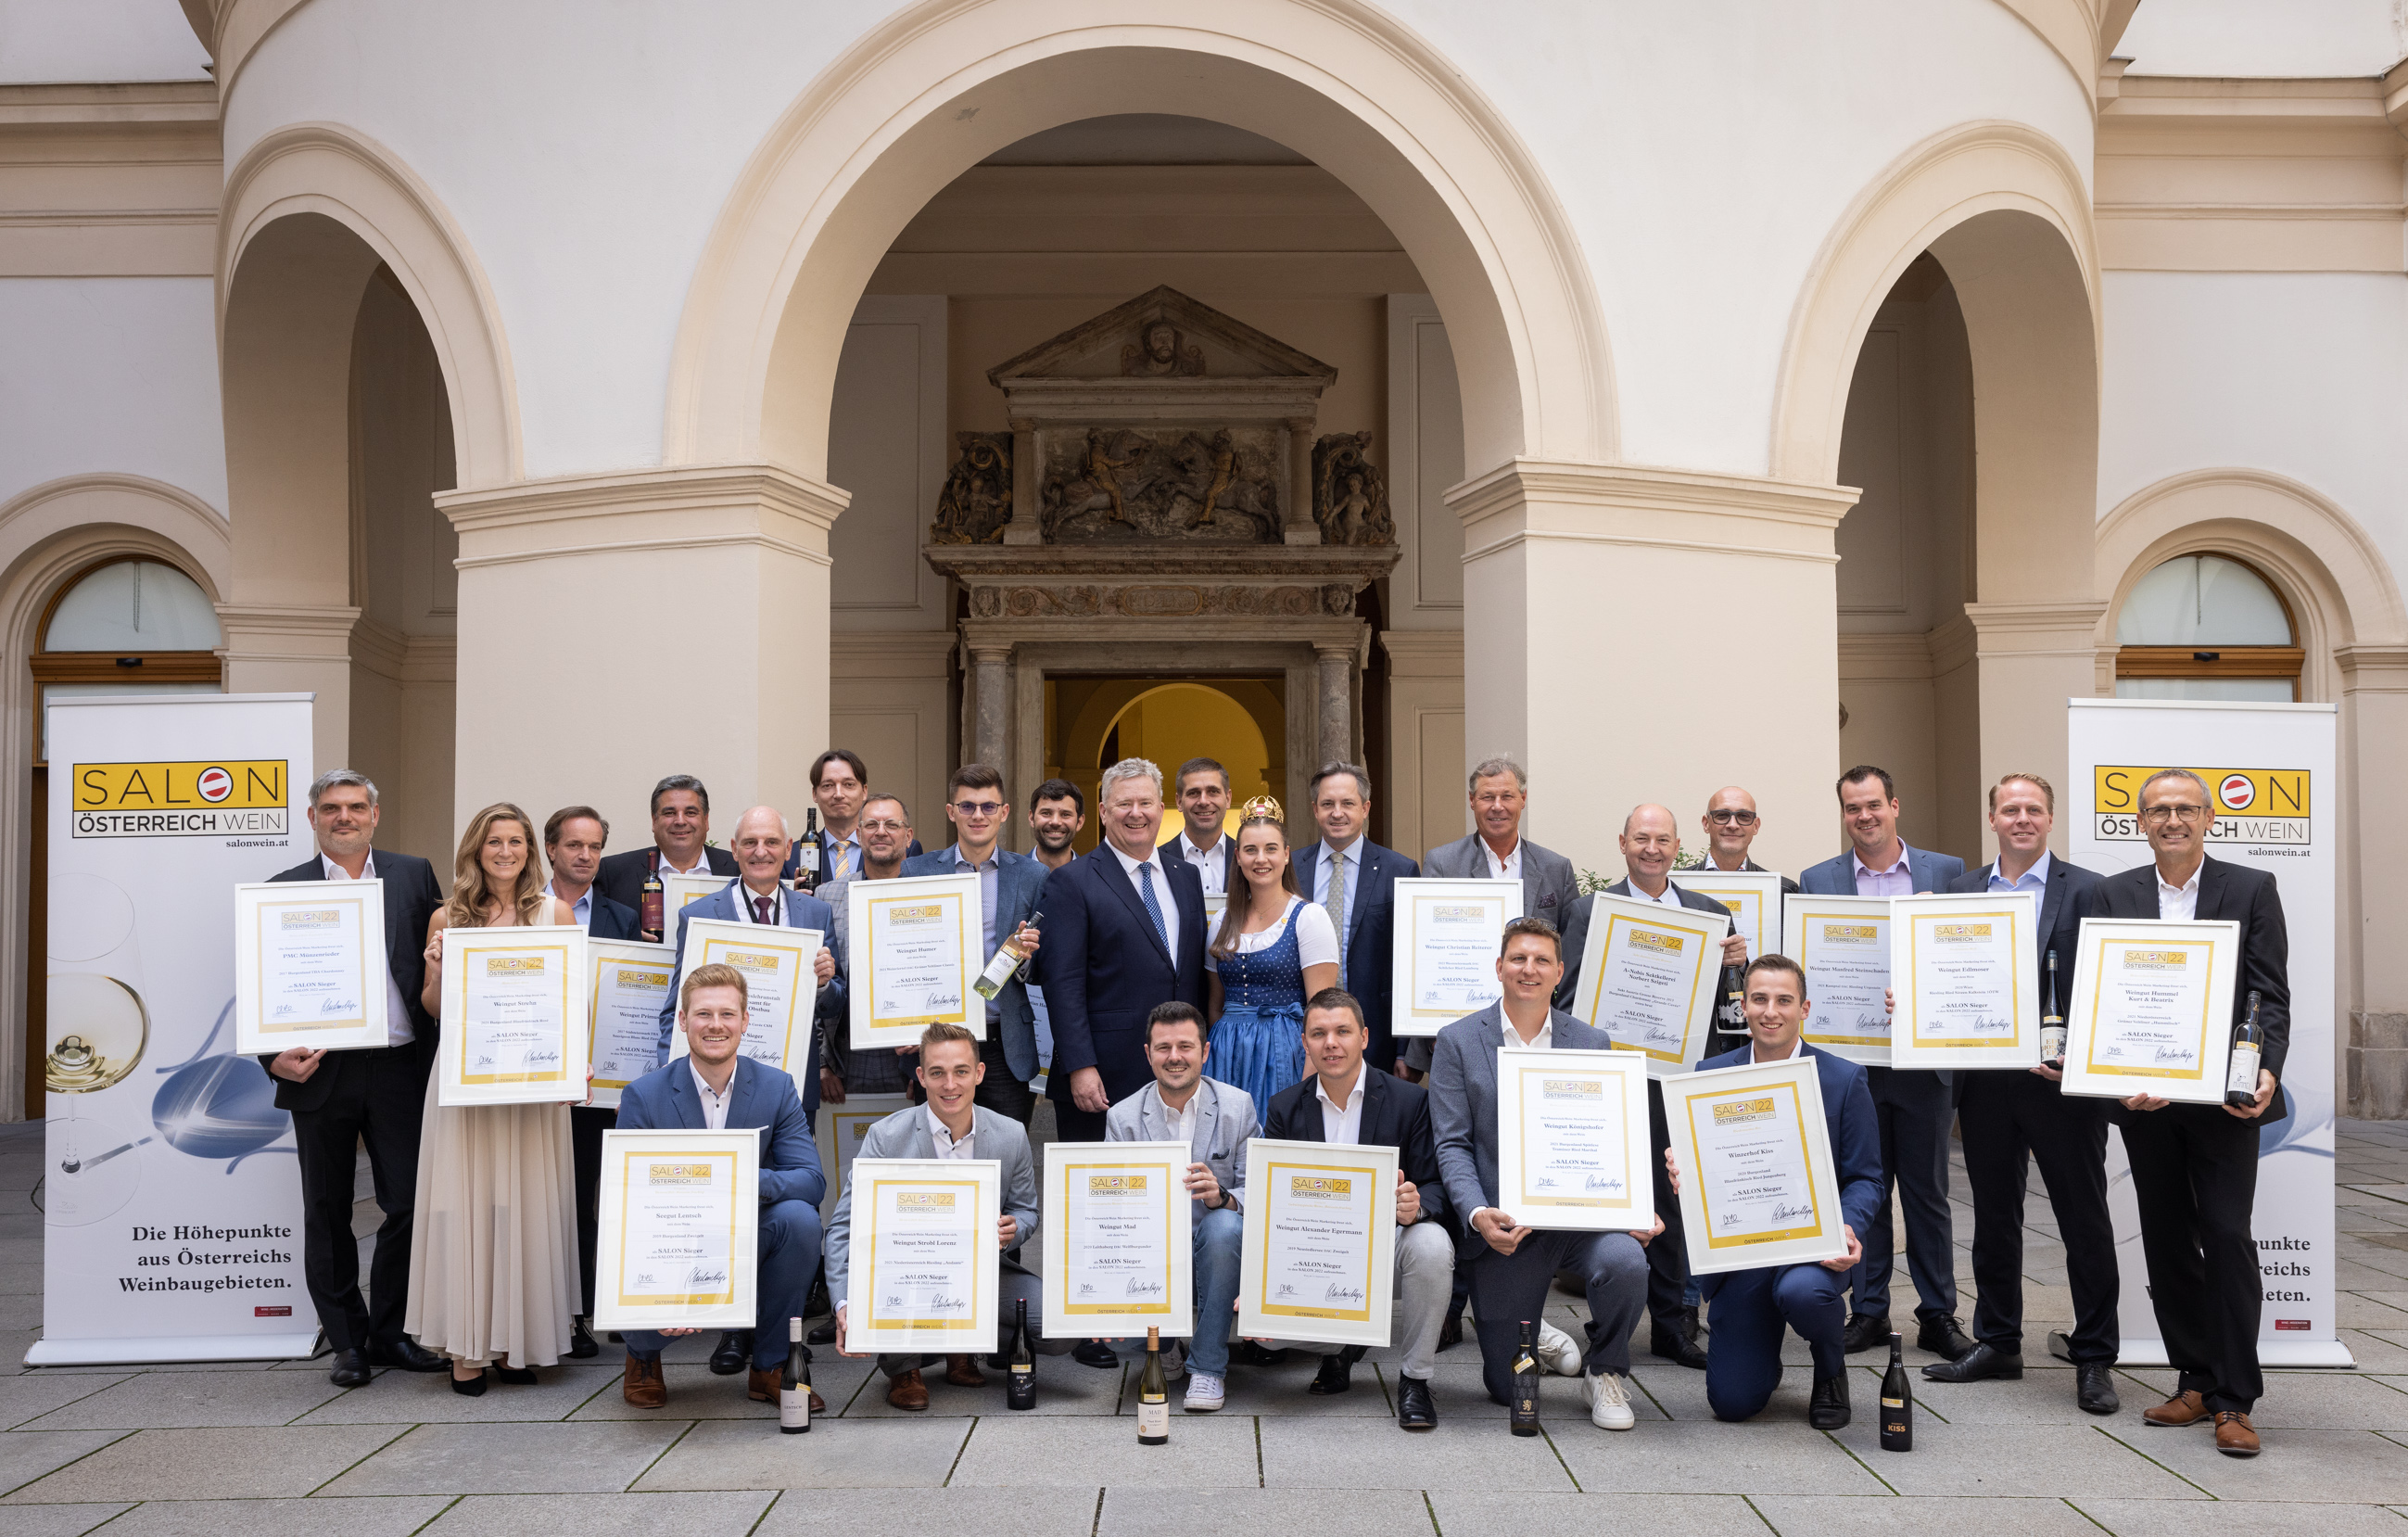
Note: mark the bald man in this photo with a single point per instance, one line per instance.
(1730, 825)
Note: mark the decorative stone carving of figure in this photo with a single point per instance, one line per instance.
(1160, 353)
(976, 502)
(1350, 496)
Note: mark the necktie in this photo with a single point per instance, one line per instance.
(1153, 904)
(761, 906)
(1336, 902)
(836, 859)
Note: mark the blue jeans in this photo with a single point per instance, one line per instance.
(1750, 1310)
(789, 1252)
(1216, 1235)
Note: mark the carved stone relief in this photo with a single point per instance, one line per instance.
(976, 502)
(1350, 496)
(1160, 600)
(1107, 484)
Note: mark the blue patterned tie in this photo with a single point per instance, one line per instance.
(1153, 905)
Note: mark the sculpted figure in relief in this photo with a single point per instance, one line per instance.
(1160, 353)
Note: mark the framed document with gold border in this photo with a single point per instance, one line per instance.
(1758, 1185)
(839, 1129)
(1448, 933)
(514, 1016)
(1842, 944)
(781, 986)
(2152, 1009)
(627, 982)
(678, 1229)
(918, 943)
(1118, 1254)
(924, 1263)
(1572, 1141)
(1320, 1242)
(1753, 897)
(1965, 971)
(680, 892)
(310, 966)
(1647, 978)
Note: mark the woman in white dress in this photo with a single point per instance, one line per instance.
(493, 1262)
(1273, 950)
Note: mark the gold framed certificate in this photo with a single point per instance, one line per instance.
(925, 1261)
(1842, 945)
(678, 1230)
(918, 943)
(1968, 970)
(1753, 897)
(2152, 1009)
(1119, 1258)
(1647, 978)
(1320, 1242)
(1448, 933)
(839, 1129)
(627, 984)
(514, 1016)
(781, 986)
(1572, 1140)
(1758, 1185)
(680, 892)
(310, 966)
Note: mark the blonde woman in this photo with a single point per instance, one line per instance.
(493, 1266)
(1272, 951)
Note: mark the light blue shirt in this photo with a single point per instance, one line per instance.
(582, 909)
(2033, 879)
(1352, 854)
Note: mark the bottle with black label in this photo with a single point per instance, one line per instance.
(806, 853)
(2248, 1050)
(1019, 1388)
(1524, 1415)
(2052, 1023)
(648, 919)
(1730, 1019)
(1153, 1395)
(794, 1385)
(1896, 1405)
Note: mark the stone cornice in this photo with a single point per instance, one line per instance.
(1647, 505)
(690, 507)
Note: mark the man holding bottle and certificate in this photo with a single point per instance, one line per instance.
(1009, 886)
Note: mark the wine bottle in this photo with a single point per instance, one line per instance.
(806, 853)
(1896, 1405)
(2052, 1023)
(1525, 1415)
(1153, 1395)
(1019, 1388)
(1007, 960)
(1731, 1020)
(650, 918)
(794, 1385)
(2248, 1048)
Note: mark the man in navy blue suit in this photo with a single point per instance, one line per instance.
(1202, 790)
(1124, 931)
(573, 840)
(716, 1088)
(1748, 1309)
(1355, 879)
(1915, 1106)
(1010, 887)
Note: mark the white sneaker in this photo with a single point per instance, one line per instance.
(1557, 1352)
(1205, 1394)
(1608, 1402)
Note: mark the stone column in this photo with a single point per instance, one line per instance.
(990, 668)
(1025, 527)
(1300, 527)
(2373, 991)
(277, 649)
(2031, 658)
(1337, 713)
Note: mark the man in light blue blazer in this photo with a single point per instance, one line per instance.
(1914, 1107)
(716, 1088)
(1009, 886)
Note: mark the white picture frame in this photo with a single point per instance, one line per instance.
(1443, 962)
(1753, 898)
(1564, 1116)
(878, 1317)
(1945, 950)
(1107, 1287)
(515, 1021)
(781, 985)
(705, 1186)
(1647, 971)
(626, 982)
(2111, 950)
(301, 946)
(839, 1129)
(1737, 1129)
(1842, 945)
(1357, 1307)
(902, 979)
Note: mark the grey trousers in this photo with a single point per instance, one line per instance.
(1424, 1284)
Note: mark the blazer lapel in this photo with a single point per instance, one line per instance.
(1373, 1128)
(2212, 888)
(2052, 897)
(1208, 1112)
(1109, 870)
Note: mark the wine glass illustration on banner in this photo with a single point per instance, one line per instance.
(95, 1029)
(218, 1104)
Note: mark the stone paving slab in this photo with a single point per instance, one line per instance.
(426, 1397)
(1712, 1458)
(510, 1459)
(920, 1513)
(847, 1454)
(2306, 1400)
(1024, 1451)
(2012, 1460)
(599, 1514)
(1462, 1514)
(1358, 1512)
(2350, 1467)
(26, 1455)
(2238, 1519)
(32, 1395)
(205, 1464)
(1461, 1453)
(393, 1517)
(192, 1401)
(1842, 1515)
(59, 1521)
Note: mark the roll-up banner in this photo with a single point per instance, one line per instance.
(2269, 775)
(171, 1195)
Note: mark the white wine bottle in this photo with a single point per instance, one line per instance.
(794, 1385)
(1007, 960)
(1153, 1395)
(2248, 1050)
(2052, 1023)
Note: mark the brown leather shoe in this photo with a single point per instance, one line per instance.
(763, 1385)
(642, 1386)
(2234, 1435)
(962, 1372)
(908, 1392)
(2184, 1408)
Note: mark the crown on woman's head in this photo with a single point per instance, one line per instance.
(1261, 806)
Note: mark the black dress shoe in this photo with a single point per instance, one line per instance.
(1828, 1410)
(1677, 1348)
(1415, 1409)
(1094, 1353)
(407, 1354)
(1252, 1354)
(580, 1341)
(1450, 1334)
(1983, 1361)
(734, 1353)
(1335, 1377)
(821, 1333)
(1864, 1331)
(2094, 1388)
(1944, 1337)
(351, 1370)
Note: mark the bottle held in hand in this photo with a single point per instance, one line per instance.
(806, 853)
(1007, 960)
(649, 917)
(1152, 1395)
(1897, 1403)
(2248, 1051)
(1524, 1416)
(2052, 1023)
(1730, 1019)
(794, 1385)
(1019, 1388)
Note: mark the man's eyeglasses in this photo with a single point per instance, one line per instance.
(978, 808)
(882, 826)
(2157, 816)
(1732, 819)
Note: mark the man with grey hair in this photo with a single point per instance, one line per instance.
(1123, 931)
(340, 1101)
(1355, 879)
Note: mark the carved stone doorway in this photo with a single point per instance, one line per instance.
(1238, 722)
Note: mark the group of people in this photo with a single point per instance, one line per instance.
(1216, 985)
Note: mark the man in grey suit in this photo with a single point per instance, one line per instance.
(1214, 1119)
(1009, 886)
(952, 1125)
(1511, 1264)
(1914, 1106)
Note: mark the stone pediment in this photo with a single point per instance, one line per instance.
(1161, 335)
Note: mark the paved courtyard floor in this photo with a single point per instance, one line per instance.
(265, 1449)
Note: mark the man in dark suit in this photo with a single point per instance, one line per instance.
(681, 830)
(1915, 1106)
(1750, 1308)
(2195, 1167)
(1009, 886)
(1125, 932)
(2011, 1118)
(716, 1088)
(1730, 825)
(1355, 879)
(1349, 1100)
(341, 1099)
(573, 840)
(1202, 790)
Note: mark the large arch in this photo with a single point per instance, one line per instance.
(936, 88)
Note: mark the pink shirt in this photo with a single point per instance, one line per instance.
(1897, 881)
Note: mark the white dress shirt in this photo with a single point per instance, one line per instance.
(1182, 1120)
(1668, 898)
(714, 1104)
(946, 1147)
(396, 1012)
(1341, 1124)
(669, 867)
(1211, 863)
(1507, 868)
(2179, 903)
(1544, 1042)
(744, 903)
(2034, 879)
(1161, 893)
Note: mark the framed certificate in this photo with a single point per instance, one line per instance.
(924, 1260)
(679, 1226)
(1842, 945)
(680, 892)
(1320, 1242)
(1968, 970)
(1572, 1142)
(839, 1129)
(781, 987)
(2152, 1009)
(1758, 1185)
(1119, 1258)
(918, 943)
(1448, 933)
(1647, 978)
(627, 984)
(514, 1016)
(310, 966)
(1753, 897)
